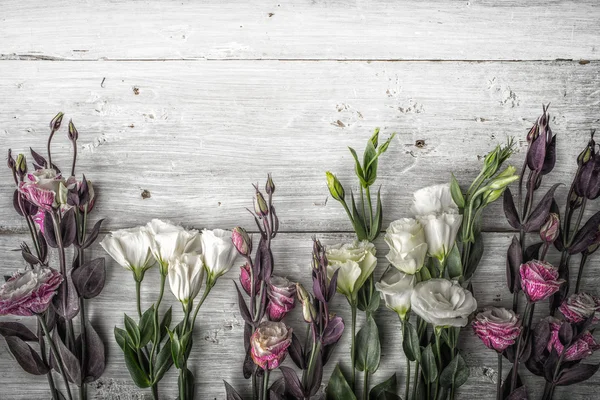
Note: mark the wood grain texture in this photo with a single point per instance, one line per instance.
(219, 331)
(197, 134)
(304, 29)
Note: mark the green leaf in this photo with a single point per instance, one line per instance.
(456, 193)
(338, 388)
(424, 272)
(389, 385)
(164, 360)
(139, 377)
(357, 221)
(368, 348)
(357, 168)
(455, 373)
(378, 219)
(410, 342)
(474, 256)
(430, 371)
(370, 164)
(454, 264)
(166, 322)
(385, 145)
(121, 337)
(133, 331)
(147, 326)
(375, 138)
(175, 348)
(388, 396)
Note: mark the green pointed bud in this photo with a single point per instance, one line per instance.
(490, 164)
(270, 186)
(56, 121)
(260, 205)
(335, 187)
(588, 152)
(504, 179)
(61, 195)
(21, 165)
(375, 138)
(492, 195)
(73, 134)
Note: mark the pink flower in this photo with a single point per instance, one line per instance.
(282, 297)
(242, 241)
(579, 307)
(246, 280)
(497, 328)
(583, 347)
(269, 344)
(539, 280)
(29, 292)
(41, 188)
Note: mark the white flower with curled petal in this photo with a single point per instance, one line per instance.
(169, 241)
(130, 248)
(218, 252)
(355, 261)
(406, 240)
(186, 274)
(396, 290)
(441, 303)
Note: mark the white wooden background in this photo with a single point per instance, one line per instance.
(191, 102)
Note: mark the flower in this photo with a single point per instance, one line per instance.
(584, 346)
(246, 279)
(130, 248)
(269, 344)
(550, 230)
(579, 307)
(282, 297)
(539, 280)
(186, 274)
(442, 302)
(355, 261)
(437, 212)
(396, 289)
(30, 291)
(218, 252)
(169, 241)
(497, 328)
(42, 187)
(406, 240)
(242, 241)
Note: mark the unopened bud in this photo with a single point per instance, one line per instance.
(11, 161)
(308, 310)
(73, 134)
(533, 133)
(21, 164)
(588, 153)
(62, 195)
(242, 241)
(551, 228)
(492, 195)
(504, 179)
(56, 121)
(335, 187)
(270, 186)
(260, 205)
(575, 201)
(491, 163)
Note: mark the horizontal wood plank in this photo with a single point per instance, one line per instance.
(340, 29)
(184, 140)
(218, 337)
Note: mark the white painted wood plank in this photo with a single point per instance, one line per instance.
(340, 29)
(197, 134)
(219, 330)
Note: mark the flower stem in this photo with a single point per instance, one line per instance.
(156, 338)
(438, 334)
(265, 391)
(45, 360)
(56, 355)
(209, 286)
(352, 344)
(368, 193)
(137, 297)
(515, 369)
(82, 388)
(366, 385)
(499, 379)
(580, 272)
(416, 381)
(407, 388)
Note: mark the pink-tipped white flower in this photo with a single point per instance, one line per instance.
(29, 292)
(579, 307)
(580, 349)
(269, 344)
(42, 188)
(539, 280)
(282, 297)
(497, 328)
(186, 274)
(242, 241)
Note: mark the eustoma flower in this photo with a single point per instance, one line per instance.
(539, 280)
(282, 297)
(579, 307)
(497, 328)
(29, 292)
(269, 344)
(218, 252)
(130, 248)
(442, 303)
(355, 262)
(437, 212)
(396, 290)
(169, 241)
(186, 274)
(41, 188)
(406, 240)
(584, 346)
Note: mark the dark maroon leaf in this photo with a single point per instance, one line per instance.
(19, 201)
(317, 290)
(49, 232)
(333, 332)
(514, 259)
(27, 358)
(550, 365)
(332, 285)
(532, 252)
(540, 213)
(84, 192)
(17, 329)
(43, 246)
(93, 235)
(72, 299)
(89, 278)
(541, 337)
(518, 394)
(95, 358)
(296, 352)
(550, 159)
(565, 334)
(68, 228)
(314, 381)
(29, 258)
(70, 361)
(248, 366)
(586, 235)
(38, 158)
(242, 306)
(576, 374)
(506, 389)
(231, 393)
(510, 210)
(292, 383)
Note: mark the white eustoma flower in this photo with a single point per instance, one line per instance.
(355, 261)
(396, 290)
(406, 240)
(442, 302)
(170, 241)
(218, 252)
(186, 274)
(130, 248)
(437, 212)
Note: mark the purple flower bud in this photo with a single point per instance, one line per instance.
(270, 186)
(260, 205)
(541, 137)
(246, 280)
(242, 241)
(587, 153)
(551, 228)
(73, 134)
(282, 297)
(497, 328)
(11, 161)
(539, 280)
(588, 181)
(56, 121)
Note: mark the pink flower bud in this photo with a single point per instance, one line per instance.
(579, 307)
(242, 241)
(583, 347)
(497, 328)
(539, 280)
(29, 292)
(551, 228)
(282, 297)
(246, 279)
(269, 344)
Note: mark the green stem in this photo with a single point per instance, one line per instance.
(156, 338)
(416, 381)
(265, 390)
(362, 204)
(352, 344)
(499, 379)
(137, 297)
(209, 286)
(407, 388)
(183, 371)
(366, 385)
(254, 386)
(56, 355)
(437, 331)
(368, 192)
